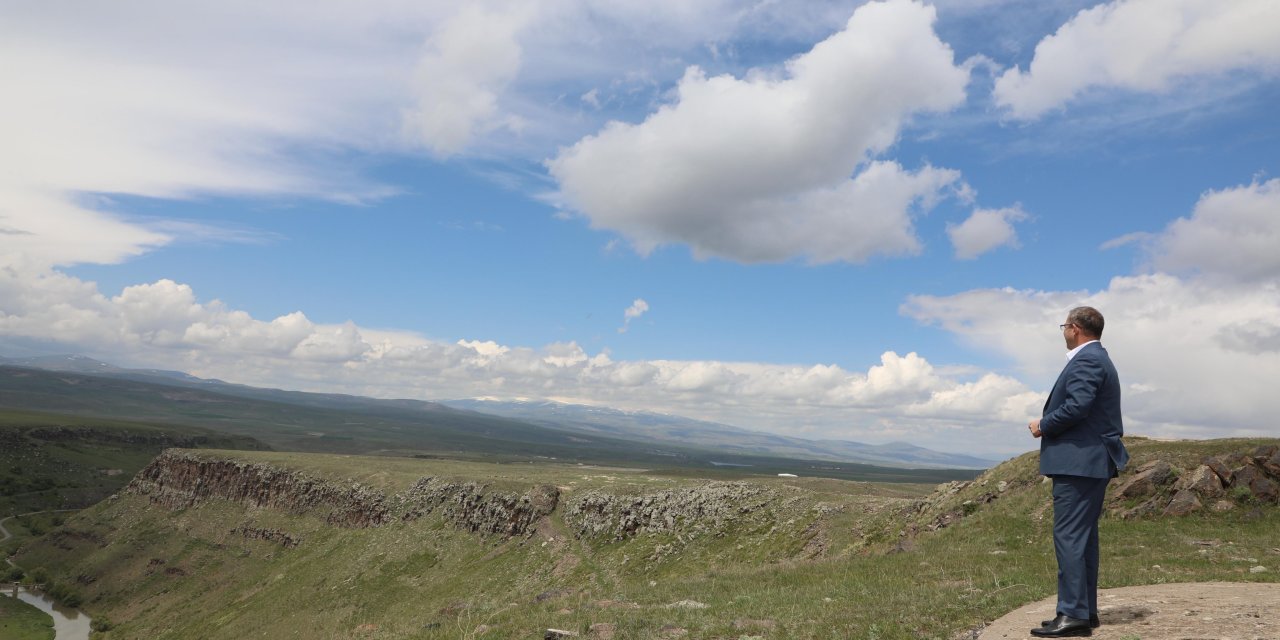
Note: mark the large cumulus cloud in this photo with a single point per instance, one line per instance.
(779, 163)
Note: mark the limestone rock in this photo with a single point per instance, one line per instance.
(1184, 502)
(558, 634)
(1203, 481)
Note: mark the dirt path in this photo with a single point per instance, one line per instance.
(1185, 611)
(8, 535)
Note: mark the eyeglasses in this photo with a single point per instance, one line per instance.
(1063, 327)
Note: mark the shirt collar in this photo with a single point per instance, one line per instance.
(1072, 353)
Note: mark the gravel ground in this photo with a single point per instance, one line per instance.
(1186, 611)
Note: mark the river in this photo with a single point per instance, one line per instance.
(68, 623)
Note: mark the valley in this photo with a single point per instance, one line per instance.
(232, 544)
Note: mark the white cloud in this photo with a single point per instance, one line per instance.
(174, 100)
(637, 309)
(984, 230)
(470, 61)
(55, 229)
(758, 168)
(1233, 233)
(1145, 46)
(164, 324)
(1137, 237)
(1198, 349)
(1196, 352)
(169, 101)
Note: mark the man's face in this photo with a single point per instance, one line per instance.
(1071, 333)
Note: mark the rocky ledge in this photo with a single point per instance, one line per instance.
(181, 480)
(1219, 483)
(703, 509)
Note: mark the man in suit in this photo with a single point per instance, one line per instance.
(1080, 449)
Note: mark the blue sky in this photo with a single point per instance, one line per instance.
(834, 220)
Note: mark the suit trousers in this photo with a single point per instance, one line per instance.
(1077, 505)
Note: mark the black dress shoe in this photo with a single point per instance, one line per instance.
(1094, 622)
(1063, 627)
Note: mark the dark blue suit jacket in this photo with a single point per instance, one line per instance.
(1081, 425)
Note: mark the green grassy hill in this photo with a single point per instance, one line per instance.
(263, 544)
(55, 461)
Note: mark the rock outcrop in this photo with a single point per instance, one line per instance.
(703, 509)
(1218, 481)
(469, 506)
(282, 538)
(181, 480)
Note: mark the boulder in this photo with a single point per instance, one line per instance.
(1272, 465)
(1263, 488)
(1184, 502)
(1202, 481)
(1148, 507)
(1265, 451)
(1145, 481)
(1219, 467)
(558, 634)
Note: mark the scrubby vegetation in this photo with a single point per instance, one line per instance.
(51, 461)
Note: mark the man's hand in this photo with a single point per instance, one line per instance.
(1034, 426)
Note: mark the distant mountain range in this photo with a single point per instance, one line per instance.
(658, 427)
(323, 421)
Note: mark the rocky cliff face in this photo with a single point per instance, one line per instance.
(180, 480)
(695, 510)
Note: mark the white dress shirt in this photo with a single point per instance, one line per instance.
(1072, 353)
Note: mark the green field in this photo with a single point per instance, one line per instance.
(52, 461)
(21, 621)
(778, 558)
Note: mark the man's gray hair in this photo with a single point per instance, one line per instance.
(1088, 319)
